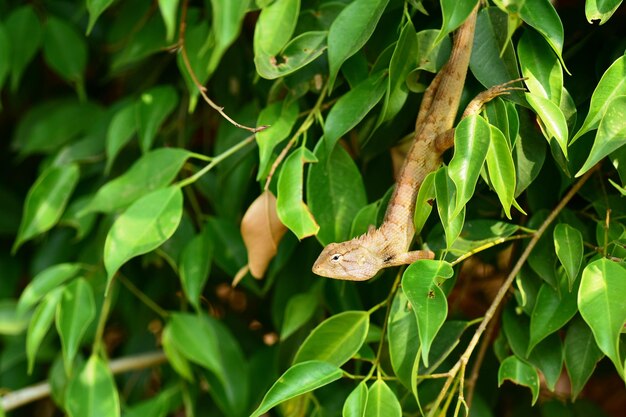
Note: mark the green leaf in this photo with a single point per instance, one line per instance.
(501, 169)
(299, 379)
(600, 10)
(300, 51)
(143, 227)
(74, 314)
(335, 193)
(46, 201)
(552, 118)
(299, 310)
(454, 14)
(540, 14)
(95, 9)
(198, 55)
(152, 109)
(529, 153)
(445, 194)
(24, 29)
(611, 85)
(553, 309)
(169, 10)
(350, 30)
(195, 266)
(611, 133)
(40, 323)
(547, 357)
(356, 401)
(568, 243)
(352, 107)
(336, 339)
(275, 26)
(92, 391)
(65, 50)
(471, 144)
(420, 283)
(174, 356)
(423, 206)
(280, 117)
(121, 130)
(12, 322)
(44, 282)
(601, 303)
(5, 54)
(227, 20)
(581, 355)
(520, 373)
(291, 210)
(154, 170)
(381, 401)
(159, 405)
(543, 72)
(403, 338)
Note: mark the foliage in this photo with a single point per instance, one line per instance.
(126, 235)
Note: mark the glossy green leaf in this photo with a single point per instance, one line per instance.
(423, 206)
(431, 57)
(12, 322)
(64, 50)
(152, 109)
(46, 201)
(228, 247)
(92, 391)
(198, 55)
(292, 211)
(299, 310)
(520, 373)
(350, 30)
(5, 54)
(568, 243)
(553, 309)
(445, 192)
(447, 339)
(335, 193)
(280, 117)
(154, 170)
(195, 266)
(24, 29)
(552, 118)
(275, 26)
(299, 379)
(601, 303)
(300, 51)
(475, 234)
(159, 405)
(143, 227)
(581, 355)
(454, 14)
(352, 107)
(547, 357)
(420, 283)
(611, 133)
(175, 357)
(471, 144)
(600, 10)
(169, 10)
(40, 323)
(356, 401)
(95, 9)
(611, 85)
(501, 169)
(529, 153)
(381, 401)
(44, 282)
(121, 130)
(403, 338)
(540, 14)
(227, 20)
(336, 339)
(543, 72)
(75, 312)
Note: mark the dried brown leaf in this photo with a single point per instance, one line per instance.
(262, 231)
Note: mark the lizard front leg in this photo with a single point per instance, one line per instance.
(408, 258)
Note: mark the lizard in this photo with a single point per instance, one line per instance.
(361, 258)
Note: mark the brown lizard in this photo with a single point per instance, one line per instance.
(361, 258)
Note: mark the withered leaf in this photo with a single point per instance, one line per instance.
(261, 231)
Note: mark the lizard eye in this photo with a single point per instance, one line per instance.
(335, 258)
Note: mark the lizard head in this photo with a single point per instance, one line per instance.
(353, 262)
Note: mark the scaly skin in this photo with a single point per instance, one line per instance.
(361, 258)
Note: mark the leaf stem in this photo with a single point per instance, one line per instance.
(142, 297)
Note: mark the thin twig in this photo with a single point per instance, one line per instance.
(462, 362)
(41, 390)
(202, 89)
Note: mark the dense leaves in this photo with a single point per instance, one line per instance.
(171, 168)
